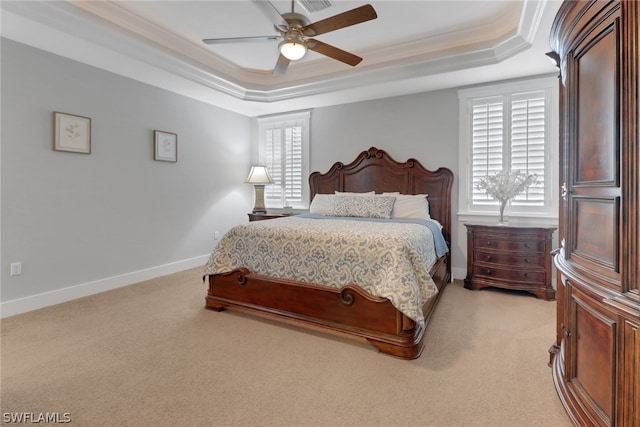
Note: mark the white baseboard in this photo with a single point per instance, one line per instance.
(46, 299)
(459, 273)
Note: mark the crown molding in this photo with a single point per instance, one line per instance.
(107, 35)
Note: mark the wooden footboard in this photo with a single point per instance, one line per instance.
(349, 311)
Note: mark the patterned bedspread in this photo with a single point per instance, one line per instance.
(387, 258)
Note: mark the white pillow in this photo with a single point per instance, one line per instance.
(321, 204)
(410, 206)
(363, 206)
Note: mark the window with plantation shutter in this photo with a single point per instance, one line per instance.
(510, 127)
(283, 148)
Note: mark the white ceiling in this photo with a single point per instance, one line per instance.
(413, 46)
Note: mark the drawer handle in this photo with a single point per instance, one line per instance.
(489, 257)
(488, 272)
(527, 275)
(527, 260)
(527, 245)
(489, 243)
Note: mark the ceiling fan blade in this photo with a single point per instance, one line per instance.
(333, 52)
(281, 66)
(341, 20)
(240, 39)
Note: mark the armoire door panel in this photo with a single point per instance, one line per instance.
(592, 365)
(593, 195)
(595, 234)
(630, 407)
(597, 126)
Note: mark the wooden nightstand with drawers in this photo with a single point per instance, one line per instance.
(507, 257)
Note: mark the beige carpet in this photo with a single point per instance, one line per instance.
(151, 355)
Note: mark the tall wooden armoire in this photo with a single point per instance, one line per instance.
(596, 356)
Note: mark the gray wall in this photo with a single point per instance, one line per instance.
(423, 126)
(73, 218)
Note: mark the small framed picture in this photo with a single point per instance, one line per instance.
(71, 133)
(166, 146)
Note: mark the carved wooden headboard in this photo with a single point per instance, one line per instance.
(375, 170)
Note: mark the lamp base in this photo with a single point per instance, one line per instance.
(259, 204)
(258, 211)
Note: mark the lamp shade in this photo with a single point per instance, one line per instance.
(259, 175)
(293, 46)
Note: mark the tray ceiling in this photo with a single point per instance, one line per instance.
(412, 46)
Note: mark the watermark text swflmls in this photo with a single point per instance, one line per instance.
(36, 417)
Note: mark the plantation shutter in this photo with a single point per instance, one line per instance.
(508, 133)
(527, 144)
(487, 142)
(272, 160)
(292, 163)
(283, 154)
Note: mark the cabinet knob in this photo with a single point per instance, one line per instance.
(489, 257)
(488, 272)
(567, 333)
(527, 245)
(527, 275)
(488, 242)
(527, 260)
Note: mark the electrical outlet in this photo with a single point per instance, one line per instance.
(216, 235)
(15, 269)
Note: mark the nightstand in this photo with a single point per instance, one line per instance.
(510, 258)
(263, 216)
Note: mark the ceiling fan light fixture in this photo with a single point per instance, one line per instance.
(292, 49)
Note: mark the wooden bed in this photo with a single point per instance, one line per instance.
(349, 311)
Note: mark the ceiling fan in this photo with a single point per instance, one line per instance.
(296, 32)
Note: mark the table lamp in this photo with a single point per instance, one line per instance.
(259, 177)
